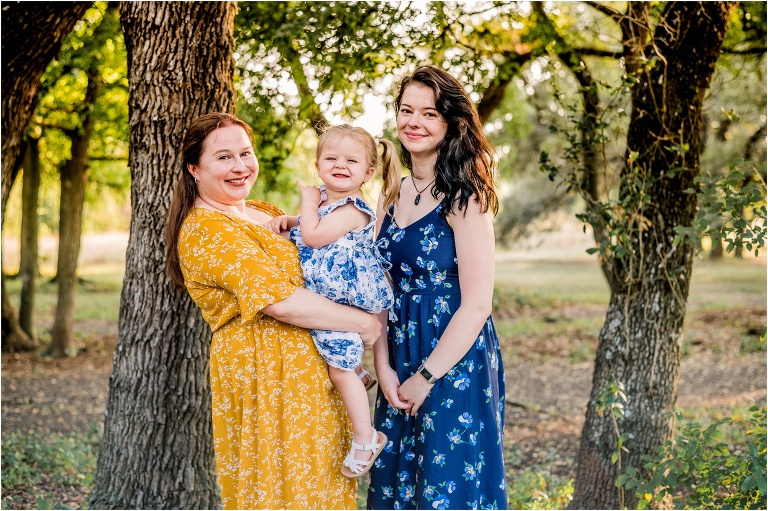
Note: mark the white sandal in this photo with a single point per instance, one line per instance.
(355, 468)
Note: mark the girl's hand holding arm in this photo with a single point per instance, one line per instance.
(306, 309)
(475, 254)
(282, 223)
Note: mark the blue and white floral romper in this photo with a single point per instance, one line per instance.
(350, 271)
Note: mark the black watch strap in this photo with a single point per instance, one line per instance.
(426, 374)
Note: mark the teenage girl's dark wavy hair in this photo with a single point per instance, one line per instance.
(465, 157)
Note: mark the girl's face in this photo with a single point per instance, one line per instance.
(342, 165)
(227, 168)
(420, 127)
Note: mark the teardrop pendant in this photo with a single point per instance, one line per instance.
(417, 199)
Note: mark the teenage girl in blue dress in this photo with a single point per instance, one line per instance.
(441, 380)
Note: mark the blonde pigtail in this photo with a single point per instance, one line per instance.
(391, 173)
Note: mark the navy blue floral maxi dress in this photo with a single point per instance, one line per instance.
(450, 455)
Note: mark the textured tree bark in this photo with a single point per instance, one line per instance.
(29, 266)
(640, 344)
(31, 36)
(74, 176)
(157, 450)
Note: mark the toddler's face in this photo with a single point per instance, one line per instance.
(342, 165)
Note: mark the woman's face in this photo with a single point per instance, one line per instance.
(227, 168)
(420, 127)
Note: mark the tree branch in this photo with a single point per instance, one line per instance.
(611, 13)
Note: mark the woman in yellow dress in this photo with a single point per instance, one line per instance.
(280, 428)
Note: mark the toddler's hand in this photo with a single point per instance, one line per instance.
(278, 224)
(309, 194)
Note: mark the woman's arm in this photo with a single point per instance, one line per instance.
(389, 383)
(306, 309)
(475, 254)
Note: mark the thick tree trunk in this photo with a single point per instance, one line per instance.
(29, 265)
(157, 450)
(31, 36)
(74, 176)
(640, 344)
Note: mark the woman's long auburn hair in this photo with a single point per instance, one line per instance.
(185, 191)
(465, 157)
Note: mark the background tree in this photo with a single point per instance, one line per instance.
(640, 345)
(157, 450)
(29, 264)
(85, 64)
(31, 37)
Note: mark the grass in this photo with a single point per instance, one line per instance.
(97, 301)
(48, 473)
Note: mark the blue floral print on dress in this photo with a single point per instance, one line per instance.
(450, 455)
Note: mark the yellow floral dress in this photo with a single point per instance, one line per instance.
(280, 428)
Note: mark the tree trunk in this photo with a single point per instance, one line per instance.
(74, 176)
(718, 249)
(157, 450)
(640, 345)
(29, 265)
(14, 338)
(32, 35)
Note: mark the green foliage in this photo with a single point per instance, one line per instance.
(293, 57)
(94, 47)
(63, 460)
(538, 488)
(732, 208)
(699, 470)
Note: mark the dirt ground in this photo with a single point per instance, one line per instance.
(546, 393)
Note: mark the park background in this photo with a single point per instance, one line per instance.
(524, 64)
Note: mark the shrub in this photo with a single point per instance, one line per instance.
(697, 470)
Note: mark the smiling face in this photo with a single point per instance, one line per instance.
(343, 164)
(420, 127)
(227, 168)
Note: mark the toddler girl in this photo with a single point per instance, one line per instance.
(335, 237)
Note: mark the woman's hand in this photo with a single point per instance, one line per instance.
(389, 383)
(372, 331)
(414, 391)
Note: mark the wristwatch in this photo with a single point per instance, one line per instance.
(426, 374)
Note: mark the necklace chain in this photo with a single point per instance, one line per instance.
(418, 192)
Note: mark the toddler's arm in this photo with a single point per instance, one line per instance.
(318, 232)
